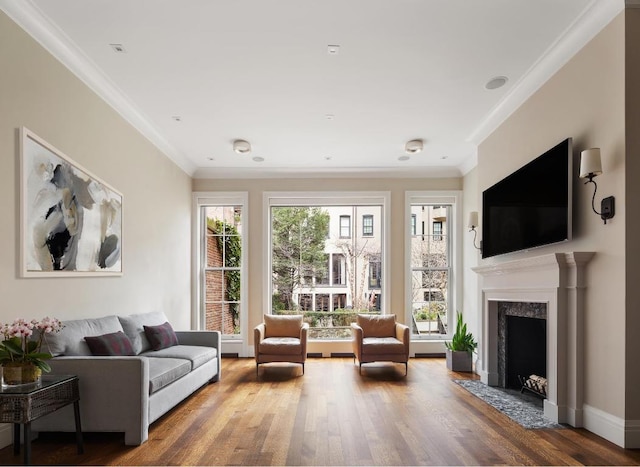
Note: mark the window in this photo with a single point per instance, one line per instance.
(345, 226)
(322, 272)
(322, 302)
(339, 301)
(367, 225)
(306, 302)
(430, 264)
(437, 230)
(375, 272)
(220, 265)
(338, 270)
(223, 253)
(308, 271)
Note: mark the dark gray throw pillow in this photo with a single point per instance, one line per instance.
(161, 337)
(112, 344)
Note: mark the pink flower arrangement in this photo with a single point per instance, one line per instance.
(18, 347)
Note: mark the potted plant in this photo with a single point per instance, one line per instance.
(459, 350)
(21, 358)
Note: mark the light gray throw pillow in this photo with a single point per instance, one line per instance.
(70, 340)
(133, 326)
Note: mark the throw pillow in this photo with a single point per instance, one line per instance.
(282, 325)
(161, 337)
(114, 343)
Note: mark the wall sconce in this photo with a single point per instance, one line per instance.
(590, 167)
(472, 223)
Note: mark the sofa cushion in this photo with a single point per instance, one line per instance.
(281, 346)
(197, 355)
(282, 325)
(114, 343)
(132, 326)
(70, 340)
(382, 345)
(164, 371)
(160, 337)
(377, 325)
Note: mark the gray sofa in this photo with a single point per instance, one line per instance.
(127, 393)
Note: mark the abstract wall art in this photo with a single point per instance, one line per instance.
(71, 221)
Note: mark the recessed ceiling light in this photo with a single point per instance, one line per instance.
(258, 159)
(414, 146)
(176, 118)
(444, 157)
(118, 48)
(329, 116)
(333, 49)
(403, 158)
(327, 158)
(241, 146)
(211, 158)
(497, 82)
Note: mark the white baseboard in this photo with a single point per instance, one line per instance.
(6, 435)
(606, 425)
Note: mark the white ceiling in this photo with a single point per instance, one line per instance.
(260, 70)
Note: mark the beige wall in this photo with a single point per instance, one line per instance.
(632, 198)
(584, 100)
(256, 188)
(470, 256)
(37, 92)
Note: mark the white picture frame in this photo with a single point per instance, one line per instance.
(71, 220)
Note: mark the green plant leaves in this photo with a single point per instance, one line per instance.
(462, 341)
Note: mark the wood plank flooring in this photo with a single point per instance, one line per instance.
(333, 416)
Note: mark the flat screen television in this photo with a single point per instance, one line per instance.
(532, 206)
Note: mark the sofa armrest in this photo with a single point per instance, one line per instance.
(114, 394)
(204, 339)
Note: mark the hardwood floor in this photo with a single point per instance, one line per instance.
(333, 416)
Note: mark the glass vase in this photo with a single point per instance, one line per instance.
(17, 373)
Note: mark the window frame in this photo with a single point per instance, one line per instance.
(365, 227)
(329, 198)
(454, 237)
(233, 343)
(348, 218)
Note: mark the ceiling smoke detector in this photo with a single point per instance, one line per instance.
(241, 146)
(414, 146)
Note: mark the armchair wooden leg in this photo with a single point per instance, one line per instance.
(303, 368)
(406, 368)
(257, 367)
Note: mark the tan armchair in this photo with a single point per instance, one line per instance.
(379, 338)
(281, 338)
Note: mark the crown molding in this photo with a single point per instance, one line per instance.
(29, 17)
(342, 172)
(469, 163)
(593, 19)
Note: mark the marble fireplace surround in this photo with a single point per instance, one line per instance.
(557, 280)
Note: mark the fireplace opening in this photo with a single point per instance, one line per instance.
(526, 350)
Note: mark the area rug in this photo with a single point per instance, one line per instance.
(527, 411)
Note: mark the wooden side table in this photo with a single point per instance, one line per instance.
(22, 404)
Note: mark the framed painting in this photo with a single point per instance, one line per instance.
(71, 221)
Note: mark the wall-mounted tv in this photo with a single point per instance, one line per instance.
(532, 206)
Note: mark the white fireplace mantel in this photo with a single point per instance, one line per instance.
(558, 281)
